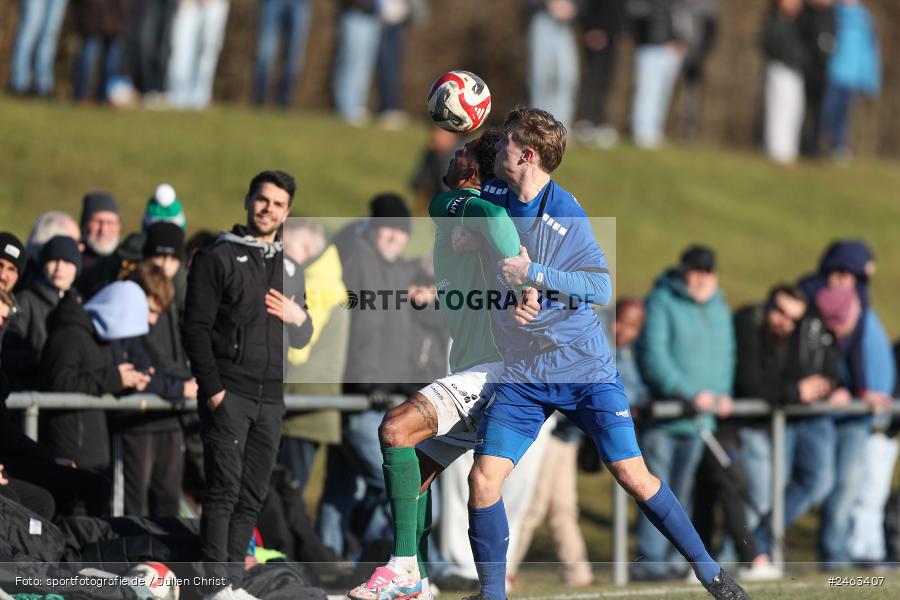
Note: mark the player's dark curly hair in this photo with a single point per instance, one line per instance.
(485, 153)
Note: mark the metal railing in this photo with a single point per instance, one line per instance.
(745, 407)
(33, 402)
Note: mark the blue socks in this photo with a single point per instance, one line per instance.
(489, 536)
(667, 514)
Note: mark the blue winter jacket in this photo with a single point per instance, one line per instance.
(855, 63)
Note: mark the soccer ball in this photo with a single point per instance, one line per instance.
(459, 101)
(157, 578)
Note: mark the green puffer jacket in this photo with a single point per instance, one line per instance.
(685, 348)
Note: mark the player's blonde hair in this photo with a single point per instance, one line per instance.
(538, 129)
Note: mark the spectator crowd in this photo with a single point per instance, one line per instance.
(86, 310)
(819, 56)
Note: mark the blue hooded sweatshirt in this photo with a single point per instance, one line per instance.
(119, 310)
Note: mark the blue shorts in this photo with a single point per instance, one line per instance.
(513, 418)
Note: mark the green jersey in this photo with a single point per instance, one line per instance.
(465, 272)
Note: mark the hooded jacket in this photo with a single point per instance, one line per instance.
(26, 334)
(119, 315)
(850, 256)
(685, 348)
(76, 360)
(230, 339)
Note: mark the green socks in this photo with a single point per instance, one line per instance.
(402, 478)
(423, 530)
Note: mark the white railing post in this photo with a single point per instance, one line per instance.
(620, 535)
(778, 481)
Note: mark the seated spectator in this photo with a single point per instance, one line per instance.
(34, 54)
(786, 355)
(685, 352)
(153, 443)
(78, 358)
(60, 261)
(37, 500)
(34, 475)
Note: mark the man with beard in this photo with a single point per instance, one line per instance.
(101, 227)
(236, 317)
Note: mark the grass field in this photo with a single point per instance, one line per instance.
(811, 587)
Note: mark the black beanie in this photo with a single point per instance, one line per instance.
(164, 239)
(94, 202)
(12, 250)
(698, 258)
(389, 210)
(61, 247)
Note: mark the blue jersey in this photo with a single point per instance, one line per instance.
(557, 234)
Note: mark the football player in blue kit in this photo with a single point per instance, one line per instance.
(560, 361)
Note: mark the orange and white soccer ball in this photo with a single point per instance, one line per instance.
(459, 101)
(158, 578)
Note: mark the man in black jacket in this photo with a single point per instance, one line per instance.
(236, 319)
(786, 355)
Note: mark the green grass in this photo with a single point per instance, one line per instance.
(808, 587)
(768, 223)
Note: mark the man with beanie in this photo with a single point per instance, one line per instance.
(101, 226)
(236, 319)
(164, 206)
(60, 262)
(12, 260)
(373, 263)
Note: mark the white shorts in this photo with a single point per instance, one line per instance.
(458, 400)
